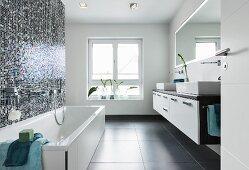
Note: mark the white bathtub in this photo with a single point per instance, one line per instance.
(72, 144)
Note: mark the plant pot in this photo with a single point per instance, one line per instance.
(112, 96)
(103, 94)
(103, 97)
(186, 79)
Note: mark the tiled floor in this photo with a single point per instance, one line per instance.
(152, 144)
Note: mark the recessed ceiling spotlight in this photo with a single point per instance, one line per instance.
(83, 5)
(133, 6)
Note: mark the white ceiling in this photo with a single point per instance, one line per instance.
(118, 11)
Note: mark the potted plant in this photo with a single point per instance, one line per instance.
(104, 90)
(128, 89)
(111, 93)
(184, 65)
(117, 84)
(91, 90)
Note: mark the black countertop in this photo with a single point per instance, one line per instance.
(188, 96)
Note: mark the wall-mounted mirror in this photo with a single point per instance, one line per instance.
(199, 37)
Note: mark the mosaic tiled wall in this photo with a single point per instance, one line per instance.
(32, 56)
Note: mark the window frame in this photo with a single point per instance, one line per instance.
(215, 40)
(115, 41)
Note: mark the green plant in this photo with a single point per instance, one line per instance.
(104, 82)
(117, 83)
(132, 87)
(110, 82)
(91, 90)
(184, 65)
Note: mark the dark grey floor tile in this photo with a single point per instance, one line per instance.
(168, 125)
(162, 145)
(116, 166)
(119, 124)
(172, 166)
(211, 165)
(120, 134)
(154, 134)
(202, 153)
(117, 151)
(159, 151)
(198, 152)
(181, 137)
(148, 124)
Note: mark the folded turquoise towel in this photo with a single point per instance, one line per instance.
(34, 161)
(18, 152)
(213, 120)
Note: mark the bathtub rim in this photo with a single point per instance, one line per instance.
(66, 142)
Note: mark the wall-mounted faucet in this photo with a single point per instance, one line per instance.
(180, 71)
(52, 93)
(10, 96)
(218, 62)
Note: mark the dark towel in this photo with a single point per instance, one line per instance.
(178, 80)
(213, 118)
(18, 152)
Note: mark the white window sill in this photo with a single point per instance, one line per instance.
(116, 98)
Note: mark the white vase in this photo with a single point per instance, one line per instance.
(117, 94)
(104, 94)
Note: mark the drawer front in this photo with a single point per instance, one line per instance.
(174, 111)
(190, 119)
(154, 100)
(159, 102)
(165, 106)
(184, 115)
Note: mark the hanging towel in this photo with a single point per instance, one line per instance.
(34, 160)
(18, 152)
(213, 120)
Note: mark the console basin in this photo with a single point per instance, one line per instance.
(166, 86)
(199, 87)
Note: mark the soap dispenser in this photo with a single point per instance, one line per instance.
(14, 115)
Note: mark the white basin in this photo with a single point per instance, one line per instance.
(166, 86)
(199, 87)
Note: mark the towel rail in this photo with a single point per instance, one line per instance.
(204, 107)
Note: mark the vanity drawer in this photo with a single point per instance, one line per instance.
(165, 106)
(157, 102)
(184, 115)
(175, 111)
(161, 104)
(190, 119)
(154, 100)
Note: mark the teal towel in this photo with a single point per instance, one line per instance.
(213, 120)
(34, 161)
(18, 152)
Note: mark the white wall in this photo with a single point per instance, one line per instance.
(155, 48)
(196, 71)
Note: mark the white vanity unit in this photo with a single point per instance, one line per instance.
(187, 112)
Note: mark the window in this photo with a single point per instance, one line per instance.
(206, 47)
(118, 63)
